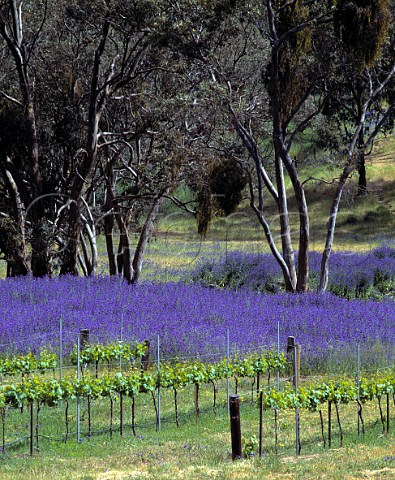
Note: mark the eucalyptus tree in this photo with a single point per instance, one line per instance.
(13, 243)
(263, 79)
(366, 92)
(364, 50)
(24, 187)
(123, 35)
(272, 81)
(145, 157)
(77, 79)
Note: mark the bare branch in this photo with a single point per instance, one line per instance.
(12, 99)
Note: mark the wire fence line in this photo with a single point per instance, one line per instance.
(230, 351)
(158, 360)
(246, 391)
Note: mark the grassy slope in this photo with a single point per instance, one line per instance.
(362, 221)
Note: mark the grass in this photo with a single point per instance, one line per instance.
(363, 221)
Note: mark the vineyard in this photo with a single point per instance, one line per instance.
(116, 372)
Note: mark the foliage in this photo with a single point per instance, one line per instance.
(250, 446)
(227, 180)
(179, 375)
(294, 70)
(93, 354)
(193, 320)
(27, 364)
(362, 26)
(171, 375)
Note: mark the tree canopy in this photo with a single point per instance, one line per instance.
(105, 108)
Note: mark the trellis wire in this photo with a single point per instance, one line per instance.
(159, 362)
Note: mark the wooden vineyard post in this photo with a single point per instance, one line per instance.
(297, 365)
(31, 428)
(84, 337)
(296, 376)
(145, 357)
(235, 430)
(293, 357)
(260, 422)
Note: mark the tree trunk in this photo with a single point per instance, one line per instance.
(288, 252)
(13, 35)
(324, 275)
(98, 98)
(362, 182)
(304, 228)
(263, 180)
(109, 218)
(108, 232)
(144, 237)
(12, 230)
(70, 253)
(124, 257)
(40, 262)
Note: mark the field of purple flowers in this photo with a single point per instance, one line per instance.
(352, 274)
(192, 319)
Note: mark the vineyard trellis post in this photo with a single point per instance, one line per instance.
(359, 387)
(235, 429)
(296, 379)
(60, 351)
(31, 427)
(388, 412)
(291, 355)
(278, 353)
(260, 422)
(121, 341)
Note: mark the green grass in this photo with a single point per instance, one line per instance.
(363, 221)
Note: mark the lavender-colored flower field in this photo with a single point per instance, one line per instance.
(351, 274)
(193, 320)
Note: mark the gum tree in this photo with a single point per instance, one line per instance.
(367, 76)
(84, 109)
(21, 45)
(273, 81)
